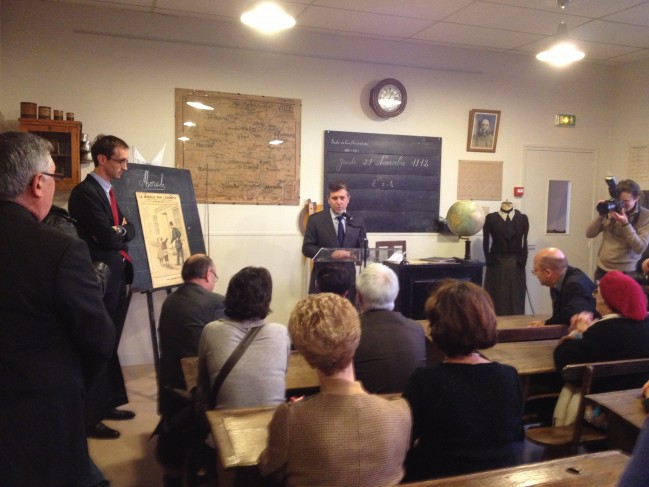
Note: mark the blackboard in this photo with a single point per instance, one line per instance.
(158, 179)
(394, 180)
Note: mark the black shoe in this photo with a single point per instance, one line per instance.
(102, 432)
(119, 414)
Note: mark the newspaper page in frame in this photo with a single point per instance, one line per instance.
(165, 236)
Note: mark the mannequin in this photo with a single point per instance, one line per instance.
(505, 249)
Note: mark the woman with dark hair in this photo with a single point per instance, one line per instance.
(259, 377)
(467, 411)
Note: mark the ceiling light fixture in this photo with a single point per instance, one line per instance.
(563, 51)
(268, 18)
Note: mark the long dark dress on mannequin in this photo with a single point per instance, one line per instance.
(506, 230)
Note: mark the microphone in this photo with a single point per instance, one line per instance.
(347, 217)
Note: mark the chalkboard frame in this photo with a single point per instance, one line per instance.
(156, 179)
(394, 180)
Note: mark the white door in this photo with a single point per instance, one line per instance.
(560, 187)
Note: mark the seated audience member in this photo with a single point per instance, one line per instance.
(392, 346)
(467, 411)
(333, 278)
(621, 333)
(637, 471)
(570, 289)
(341, 436)
(259, 377)
(183, 316)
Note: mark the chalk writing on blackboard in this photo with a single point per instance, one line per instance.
(394, 180)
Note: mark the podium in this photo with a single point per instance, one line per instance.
(419, 278)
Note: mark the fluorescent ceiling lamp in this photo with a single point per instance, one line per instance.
(268, 18)
(199, 105)
(562, 52)
(189, 124)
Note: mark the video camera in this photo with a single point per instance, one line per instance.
(613, 204)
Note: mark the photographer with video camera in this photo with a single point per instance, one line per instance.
(624, 225)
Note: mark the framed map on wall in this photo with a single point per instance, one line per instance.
(239, 148)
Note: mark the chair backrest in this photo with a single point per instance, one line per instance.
(391, 245)
(529, 333)
(585, 373)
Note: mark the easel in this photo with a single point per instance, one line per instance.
(154, 330)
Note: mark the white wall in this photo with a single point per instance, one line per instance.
(117, 71)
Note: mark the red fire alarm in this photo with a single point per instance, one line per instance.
(519, 191)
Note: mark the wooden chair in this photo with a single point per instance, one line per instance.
(565, 440)
(530, 333)
(391, 245)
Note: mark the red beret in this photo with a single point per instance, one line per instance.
(624, 295)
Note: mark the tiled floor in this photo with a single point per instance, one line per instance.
(129, 461)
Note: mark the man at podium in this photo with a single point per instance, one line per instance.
(334, 229)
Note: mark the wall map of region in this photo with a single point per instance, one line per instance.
(239, 148)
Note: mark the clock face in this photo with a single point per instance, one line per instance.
(388, 98)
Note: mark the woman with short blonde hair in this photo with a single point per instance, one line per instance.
(343, 435)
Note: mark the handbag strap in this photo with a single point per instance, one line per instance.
(230, 363)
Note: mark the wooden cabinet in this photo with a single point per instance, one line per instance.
(65, 138)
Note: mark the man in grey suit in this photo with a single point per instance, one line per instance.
(334, 229)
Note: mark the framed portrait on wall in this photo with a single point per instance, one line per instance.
(483, 130)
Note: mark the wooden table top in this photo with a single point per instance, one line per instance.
(518, 321)
(512, 321)
(625, 404)
(602, 469)
(528, 358)
(299, 374)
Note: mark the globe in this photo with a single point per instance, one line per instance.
(465, 218)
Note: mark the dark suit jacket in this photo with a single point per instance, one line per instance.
(576, 295)
(320, 233)
(391, 348)
(184, 314)
(89, 205)
(54, 333)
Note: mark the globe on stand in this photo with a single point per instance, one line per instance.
(465, 218)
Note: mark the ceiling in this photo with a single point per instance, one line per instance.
(611, 32)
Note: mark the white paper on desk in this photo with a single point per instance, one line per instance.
(396, 257)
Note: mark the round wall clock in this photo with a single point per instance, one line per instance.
(388, 98)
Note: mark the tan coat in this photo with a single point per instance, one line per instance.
(340, 437)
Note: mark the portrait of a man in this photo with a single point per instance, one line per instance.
(483, 130)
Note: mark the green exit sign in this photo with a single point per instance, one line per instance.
(562, 120)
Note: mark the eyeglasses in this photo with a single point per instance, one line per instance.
(56, 176)
(216, 278)
(121, 162)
